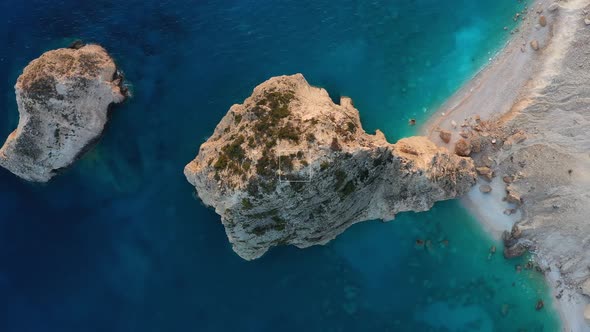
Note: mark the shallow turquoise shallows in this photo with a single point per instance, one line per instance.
(119, 242)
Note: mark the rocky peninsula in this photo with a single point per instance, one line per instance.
(526, 122)
(63, 101)
(291, 167)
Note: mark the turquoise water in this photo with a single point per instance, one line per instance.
(119, 243)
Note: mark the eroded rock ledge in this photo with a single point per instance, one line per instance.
(291, 167)
(63, 99)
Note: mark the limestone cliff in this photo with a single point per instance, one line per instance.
(289, 166)
(63, 98)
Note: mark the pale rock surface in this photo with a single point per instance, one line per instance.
(586, 287)
(289, 166)
(63, 98)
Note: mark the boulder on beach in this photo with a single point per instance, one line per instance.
(513, 198)
(542, 20)
(485, 172)
(63, 99)
(463, 148)
(535, 45)
(445, 136)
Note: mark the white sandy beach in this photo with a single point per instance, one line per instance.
(506, 86)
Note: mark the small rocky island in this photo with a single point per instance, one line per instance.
(289, 166)
(63, 100)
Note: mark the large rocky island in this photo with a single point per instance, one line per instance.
(63, 100)
(289, 166)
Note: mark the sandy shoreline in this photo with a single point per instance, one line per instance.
(506, 86)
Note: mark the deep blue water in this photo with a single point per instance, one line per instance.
(119, 242)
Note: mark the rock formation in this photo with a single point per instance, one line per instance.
(63, 99)
(289, 166)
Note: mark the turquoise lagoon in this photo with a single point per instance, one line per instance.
(119, 242)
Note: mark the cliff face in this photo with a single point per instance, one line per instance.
(291, 167)
(63, 98)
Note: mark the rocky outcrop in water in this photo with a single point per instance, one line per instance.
(63, 99)
(289, 166)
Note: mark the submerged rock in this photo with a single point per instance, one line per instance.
(485, 189)
(289, 166)
(63, 98)
(540, 305)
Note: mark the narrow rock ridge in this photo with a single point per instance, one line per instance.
(289, 166)
(63, 99)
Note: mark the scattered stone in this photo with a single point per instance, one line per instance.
(535, 45)
(553, 7)
(517, 138)
(542, 20)
(509, 212)
(507, 179)
(485, 188)
(476, 145)
(587, 20)
(513, 198)
(454, 123)
(485, 172)
(464, 134)
(540, 305)
(463, 148)
(445, 136)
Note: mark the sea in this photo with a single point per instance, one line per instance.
(120, 242)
